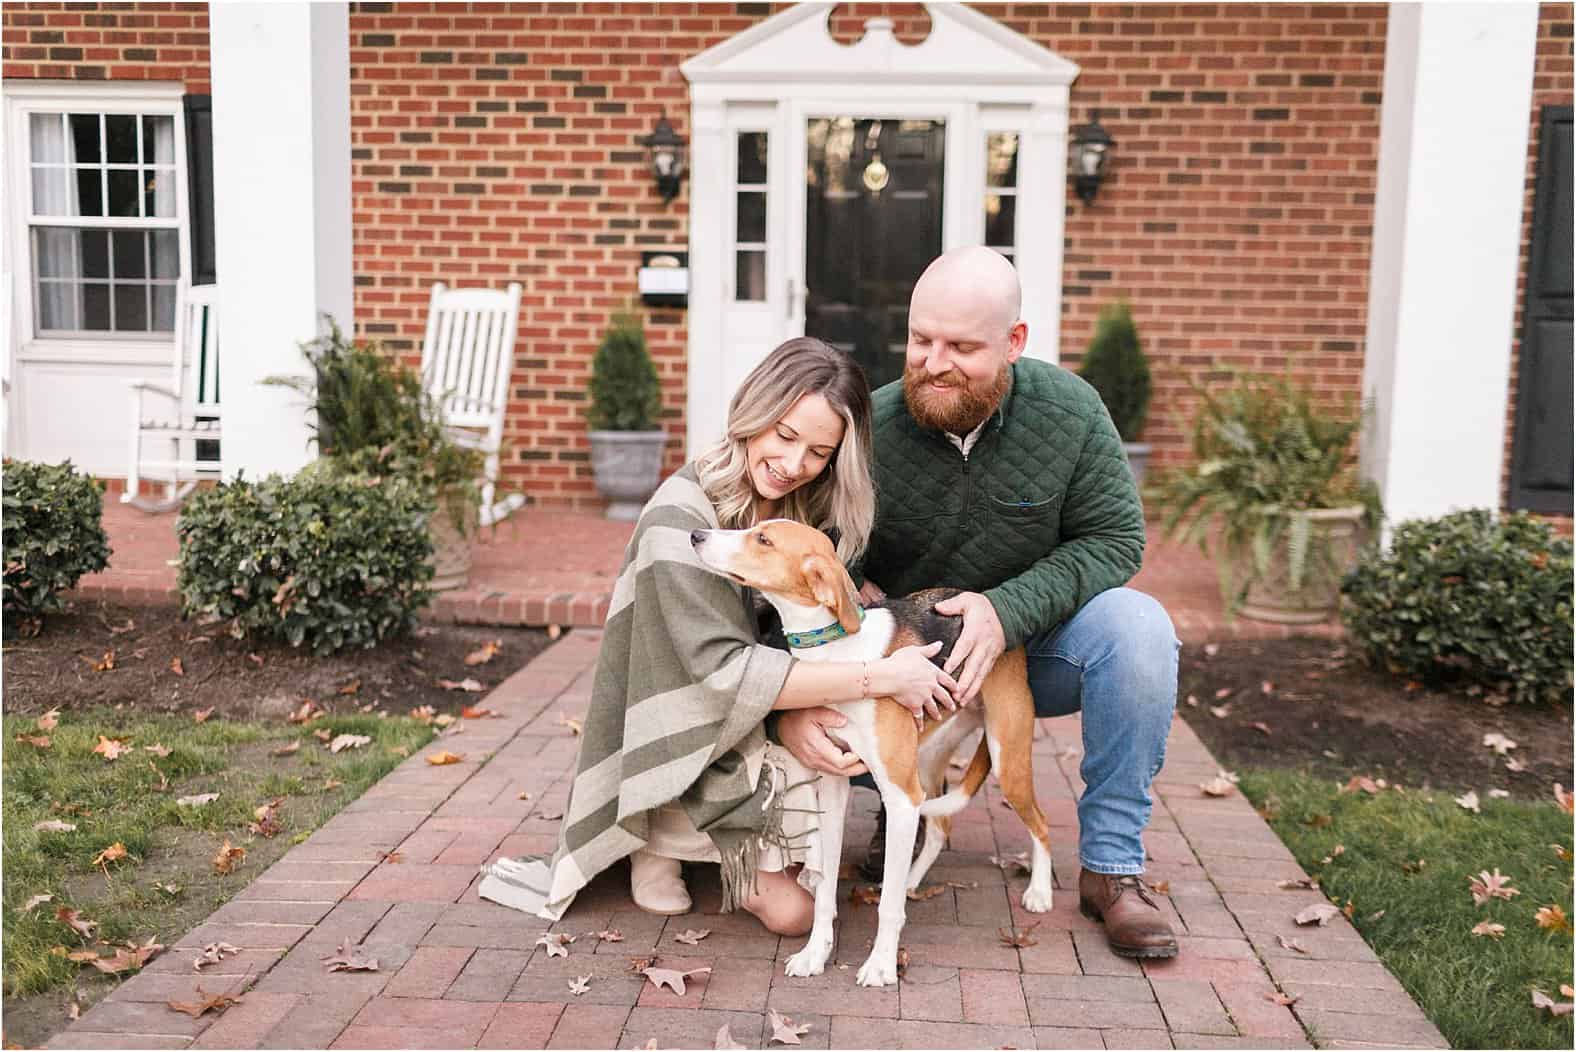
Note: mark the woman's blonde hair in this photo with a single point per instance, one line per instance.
(842, 497)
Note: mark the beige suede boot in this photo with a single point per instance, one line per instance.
(657, 884)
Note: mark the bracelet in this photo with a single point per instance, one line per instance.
(864, 679)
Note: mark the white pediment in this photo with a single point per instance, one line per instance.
(964, 46)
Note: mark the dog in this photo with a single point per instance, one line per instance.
(796, 569)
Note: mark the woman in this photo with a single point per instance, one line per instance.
(674, 763)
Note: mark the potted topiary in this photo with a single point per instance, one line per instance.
(626, 441)
(372, 416)
(1115, 366)
(1275, 476)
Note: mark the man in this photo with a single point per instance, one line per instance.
(1005, 477)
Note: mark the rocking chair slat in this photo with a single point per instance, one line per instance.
(187, 410)
(466, 359)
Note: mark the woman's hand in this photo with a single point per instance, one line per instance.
(908, 678)
(803, 732)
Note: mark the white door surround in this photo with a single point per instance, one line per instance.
(971, 72)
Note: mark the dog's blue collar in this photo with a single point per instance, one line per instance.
(817, 637)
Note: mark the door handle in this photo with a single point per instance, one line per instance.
(792, 291)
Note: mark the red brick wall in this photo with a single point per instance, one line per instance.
(496, 142)
(141, 41)
(1552, 85)
(499, 143)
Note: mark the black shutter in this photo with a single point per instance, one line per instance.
(1541, 453)
(199, 177)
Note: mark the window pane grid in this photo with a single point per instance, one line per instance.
(104, 227)
(749, 216)
(1001, 191)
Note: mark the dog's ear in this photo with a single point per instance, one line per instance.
(833, 589)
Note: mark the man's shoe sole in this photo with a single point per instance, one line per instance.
(1145, 952)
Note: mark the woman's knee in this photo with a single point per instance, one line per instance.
(781, 904)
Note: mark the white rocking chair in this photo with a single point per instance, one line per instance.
(466, 359)
(186, 413)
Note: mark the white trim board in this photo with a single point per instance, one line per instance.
(972, 72)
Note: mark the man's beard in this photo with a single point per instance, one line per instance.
(958, 410)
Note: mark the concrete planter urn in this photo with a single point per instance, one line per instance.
(451, 553)
(1281, 591)
(627, 466)
(1137, 459)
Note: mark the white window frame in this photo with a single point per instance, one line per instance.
(22, 100)
(1000, 120)
(735, 246)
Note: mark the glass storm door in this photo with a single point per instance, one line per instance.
(873, 221)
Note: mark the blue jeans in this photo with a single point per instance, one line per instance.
(1116, 660)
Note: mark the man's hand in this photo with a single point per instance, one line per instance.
(979, 645)
(803, 733)
(870, 592)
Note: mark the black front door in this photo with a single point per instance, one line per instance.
(1541, 454)
(872, 224)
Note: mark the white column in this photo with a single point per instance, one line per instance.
(281, 144)
(1447, 247)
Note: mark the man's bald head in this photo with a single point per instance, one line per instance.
(975, 279)
(964, 333)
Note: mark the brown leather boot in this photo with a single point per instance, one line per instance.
(1135, 926)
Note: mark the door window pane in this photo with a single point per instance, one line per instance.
(1001, 159)
(752, 217)
(1001, 220)
(750, 279)
(1001, 197)
(752, 158)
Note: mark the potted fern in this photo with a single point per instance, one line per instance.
(1115, 366)
(1275, 478)
(626, 441)
(372, 416)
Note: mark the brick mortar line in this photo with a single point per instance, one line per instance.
(252, 978)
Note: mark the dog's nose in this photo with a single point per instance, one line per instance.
(697, 536)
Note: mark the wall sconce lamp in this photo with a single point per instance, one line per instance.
(665, 153)
(1091, 149)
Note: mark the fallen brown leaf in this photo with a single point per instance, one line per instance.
(1554, 1008)
(209, 1003)
(110, 748)
(354, 686)
(323, 734)
(201, 715)
(444, 758)
(1319, 913)
(1489, 928)
(485, 653)
(580, 985)
(393, 858)
(1276, 997)
(213, 953)
(307, 712)
(114, 853)
(423, 713)
(48, 721)
(348, 741)
(1488, 885)
(783, 1029)
(556, 942)
(131, 956)
(78, 923)
(35, 901)
(228, 858)
(1290, 944)
(610, 935)
(161, 751)
(926, 891)
(691, 937)
(196, 801)
(350, 960)
(37, 741)
(725, 1039)
(53, 825)
(864, 895)
(1262, 727)
(286, 750)
(576, 728)
(1019, 938)
(1553, 918)
(470, 686)
(672, 978)
(469, 713)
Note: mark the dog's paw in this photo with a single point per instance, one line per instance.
(1037, 900)
(878, 970)
(807, 962)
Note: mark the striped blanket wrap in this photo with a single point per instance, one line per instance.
(676, 712)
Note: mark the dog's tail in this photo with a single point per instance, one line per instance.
(951, 803)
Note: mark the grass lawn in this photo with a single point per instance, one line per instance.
(166, 883)
(1412, 857)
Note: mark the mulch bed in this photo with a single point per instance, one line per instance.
(104, 654)
(1315, 704)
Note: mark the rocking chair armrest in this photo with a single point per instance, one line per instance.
(140, 386)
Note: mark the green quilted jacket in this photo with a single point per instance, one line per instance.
(1041, 516)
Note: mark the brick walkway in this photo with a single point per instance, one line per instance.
(457, 972)
(546, 567)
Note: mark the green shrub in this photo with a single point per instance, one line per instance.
(625, 394)
(372, 415)
(327, 559)
(1115, 366)
(54, 534)
(1466, 598)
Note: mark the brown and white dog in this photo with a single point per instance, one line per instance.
(797, 570)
